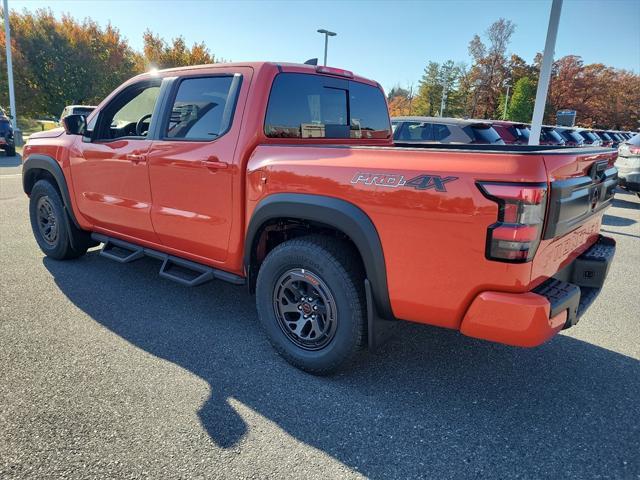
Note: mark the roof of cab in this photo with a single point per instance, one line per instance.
(282, 66)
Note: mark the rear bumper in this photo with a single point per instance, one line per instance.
(529, 319)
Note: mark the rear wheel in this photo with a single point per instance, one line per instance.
(310, 301)
(55, 234)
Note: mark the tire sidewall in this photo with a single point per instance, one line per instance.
(287, 257)
(61, 246)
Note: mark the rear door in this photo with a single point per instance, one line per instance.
(191, 164)
(582, 186)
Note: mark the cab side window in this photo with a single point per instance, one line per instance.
(129, 114)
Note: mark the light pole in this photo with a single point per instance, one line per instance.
(12, 98)
(443, 99)
(506, 100)
(545, 72)
(327, 34)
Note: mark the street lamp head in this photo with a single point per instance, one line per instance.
(327, 32)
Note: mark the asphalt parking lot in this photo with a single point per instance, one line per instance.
(109, 371)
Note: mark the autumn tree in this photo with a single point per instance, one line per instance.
(400, 101)
(160, 54)
(60, 62)
(490, 66)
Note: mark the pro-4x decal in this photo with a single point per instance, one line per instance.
(392, 180)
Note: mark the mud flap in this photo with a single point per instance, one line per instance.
(379, 330)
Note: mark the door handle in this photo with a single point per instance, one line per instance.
(213, 163)
(136, 158)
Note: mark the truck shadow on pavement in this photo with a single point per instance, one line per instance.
(432, 403)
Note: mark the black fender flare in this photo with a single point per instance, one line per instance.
(335, 213)
(38, 161)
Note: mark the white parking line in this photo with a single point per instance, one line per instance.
(11, 175)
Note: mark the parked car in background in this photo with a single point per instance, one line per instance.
(628, 164)
(7, 141)
(590, 138)
(444, 130)
(617, 137)
(570, 136)
(607, 141)
(76, 110)
(513, 133)
(549, 136)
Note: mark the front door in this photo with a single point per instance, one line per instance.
(191, 165)
(110, 173)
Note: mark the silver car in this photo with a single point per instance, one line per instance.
(628, 164)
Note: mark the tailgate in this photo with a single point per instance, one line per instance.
(582, 186)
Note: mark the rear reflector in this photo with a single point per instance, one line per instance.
(516, 234)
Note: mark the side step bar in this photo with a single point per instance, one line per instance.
(185, 272)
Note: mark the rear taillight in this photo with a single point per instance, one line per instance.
(634, 150)
(516, 235)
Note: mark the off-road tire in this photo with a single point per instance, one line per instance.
(337, 265)
(68, 241)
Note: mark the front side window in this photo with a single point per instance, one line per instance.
(314, 106)
(202, 109)
(129, 114)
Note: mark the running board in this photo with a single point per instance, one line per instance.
(121, 252)
(185, 272)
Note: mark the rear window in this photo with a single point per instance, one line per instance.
(576, 137)
(589, 136)
(550, 135)
(635, 140)
(485, 134)
(315, 106)
(571, 136)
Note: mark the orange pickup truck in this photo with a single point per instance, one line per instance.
(285, 178)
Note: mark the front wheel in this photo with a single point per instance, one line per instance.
(310, 300)
(55, 234)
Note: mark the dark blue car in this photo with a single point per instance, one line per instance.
(6, 135)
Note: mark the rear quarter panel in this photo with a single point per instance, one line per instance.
(433, 241)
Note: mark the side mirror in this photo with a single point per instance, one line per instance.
(74, 124)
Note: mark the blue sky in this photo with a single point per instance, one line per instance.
(389, 41)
